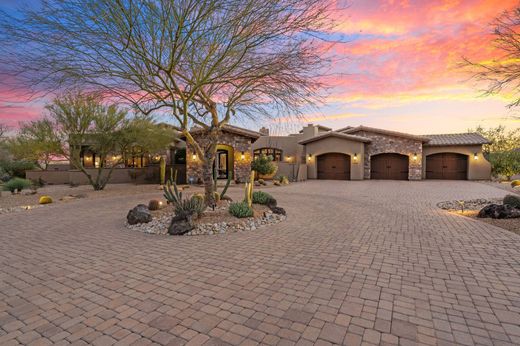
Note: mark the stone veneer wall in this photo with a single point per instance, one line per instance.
(391, 144)
(242, 167)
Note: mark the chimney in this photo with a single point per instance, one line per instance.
(264, 131)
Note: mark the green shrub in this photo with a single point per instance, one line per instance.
(17, 184)
(240, 210)
(263, 165)
(16, 168)
(260, 197)
(512, 200)
(515, 183)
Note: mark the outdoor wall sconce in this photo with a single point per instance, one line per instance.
(415, 156)
(355, 156)
(242, 156)
(288, 158)
(475, 156)
(309, 157)
(194, 157)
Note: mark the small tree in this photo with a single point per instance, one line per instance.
(264, 165)
(501, 152)
(505, 163)
(83, 121)
(35, 142)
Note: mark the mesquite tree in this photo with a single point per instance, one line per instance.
(204, 62)
(501, 74)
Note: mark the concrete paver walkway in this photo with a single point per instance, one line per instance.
(371, 262)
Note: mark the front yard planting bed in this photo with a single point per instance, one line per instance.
(218, 221)
(472, 208)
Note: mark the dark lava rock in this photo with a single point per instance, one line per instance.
(498, 211)
(181, 225)
(140, 214)
(278, 210)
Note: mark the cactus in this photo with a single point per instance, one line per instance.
(172, 196)
(163, 170)
(198, 196)
(249, 190)
(223, 193)
(154, 205)
(216, 195)
(45, 200)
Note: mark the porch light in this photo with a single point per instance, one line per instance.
(309, 157)
(415, 156)
(194, 157)
(475, 156)
(355, 156)
(242, 156)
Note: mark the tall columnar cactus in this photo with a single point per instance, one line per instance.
(249, 189)
(163, 170)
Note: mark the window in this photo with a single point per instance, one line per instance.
(136, 158)
(276, 154)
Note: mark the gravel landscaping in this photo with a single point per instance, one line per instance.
(212, 222)
(472, 208)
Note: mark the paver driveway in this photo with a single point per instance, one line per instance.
(373, 262)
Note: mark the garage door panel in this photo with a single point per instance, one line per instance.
(447, 166)
(333, 166)
(389, 167)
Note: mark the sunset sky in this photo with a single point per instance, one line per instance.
(399, 69)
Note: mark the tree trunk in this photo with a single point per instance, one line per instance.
(210, 152)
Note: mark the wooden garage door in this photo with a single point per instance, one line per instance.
(334, 166)
(389, 166)
(447, 166)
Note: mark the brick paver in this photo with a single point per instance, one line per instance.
(368, 262)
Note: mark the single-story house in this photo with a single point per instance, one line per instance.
(315, 152)
(356, 153)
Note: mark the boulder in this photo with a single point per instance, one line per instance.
(139, 214)
(499, 211)
(278, 210)
(181, 225)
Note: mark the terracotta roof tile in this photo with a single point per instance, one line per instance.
(456, 139)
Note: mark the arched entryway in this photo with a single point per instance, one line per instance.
(389, 166)
(333, 166)
(449, 166)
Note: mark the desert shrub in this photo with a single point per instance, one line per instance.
(193, 207)
(260, 197)
(45, 200)
(512, 200)
(16, 168)
(17, 184)
(263, 165)
(261, 181)
(282, 179)
(240, 210)
(515, 183)
(154, 204)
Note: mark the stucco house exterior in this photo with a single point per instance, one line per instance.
(356, 153)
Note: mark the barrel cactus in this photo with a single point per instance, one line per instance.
(515, 183)
(154, 204)
(45, 200)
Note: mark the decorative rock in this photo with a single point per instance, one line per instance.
(278, 210)
(139, 214)
(180, 225)
(497, 211)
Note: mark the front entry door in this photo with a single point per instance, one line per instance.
(221, 164)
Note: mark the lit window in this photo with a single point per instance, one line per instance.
(276, 154)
